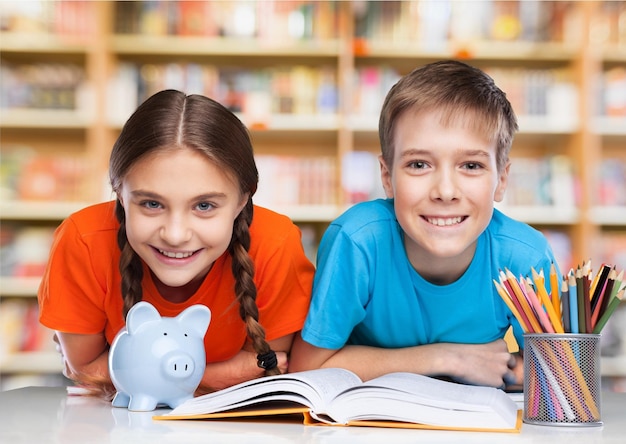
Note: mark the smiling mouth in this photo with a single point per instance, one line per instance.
(176, 255)
(444, 221)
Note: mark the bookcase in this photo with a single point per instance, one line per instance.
(308, 79)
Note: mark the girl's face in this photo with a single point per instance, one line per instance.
(180, 208)
(444, 181)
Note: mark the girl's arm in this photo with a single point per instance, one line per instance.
(481, 364)
(243, 366)
(85, 357)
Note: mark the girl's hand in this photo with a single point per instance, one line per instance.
(243, 366)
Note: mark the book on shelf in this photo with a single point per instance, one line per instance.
(299, 90)
(20, 330)
(334, 396)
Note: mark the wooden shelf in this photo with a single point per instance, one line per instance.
(39, 211)
(132, 44)
(481, 50)
(609, 126)
(580, 137)
(31, 362)
(609, 216)
(45, 119)
(527, 124)
(19, 287)
(542, 215)
(45, 43)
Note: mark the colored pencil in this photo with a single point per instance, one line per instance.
(545, 300)
(554, 290)
(532, 319)
(565, 312)
(603, 295)
(523, 319)
(598, 284)
(573, 302)
(586, 281)
(507, 300)
(616, 286)
(580, 297)
(611, 307)
(542, 317)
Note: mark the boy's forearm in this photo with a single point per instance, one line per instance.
(371, 362)
(482, 364)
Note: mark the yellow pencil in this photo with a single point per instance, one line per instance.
(535, 303)
(540, 289)
(554, 288)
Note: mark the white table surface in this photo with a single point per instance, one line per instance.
(42, 415)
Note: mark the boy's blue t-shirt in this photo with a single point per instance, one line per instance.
(366, 292)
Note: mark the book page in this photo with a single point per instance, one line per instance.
(312, 389)
(419, 399)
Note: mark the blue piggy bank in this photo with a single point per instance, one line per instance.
(158, 360)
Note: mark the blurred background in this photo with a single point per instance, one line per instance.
(308, 78)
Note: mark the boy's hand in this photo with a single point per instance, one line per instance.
(487, 364)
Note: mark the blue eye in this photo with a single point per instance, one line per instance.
(204, 206)
(418, 165)
(151, 204)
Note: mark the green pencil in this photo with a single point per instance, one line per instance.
(613, 304)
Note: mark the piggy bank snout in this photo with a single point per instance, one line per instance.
(178, 365)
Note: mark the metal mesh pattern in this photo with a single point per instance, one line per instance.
(562, 379)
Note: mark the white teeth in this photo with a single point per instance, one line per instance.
(441, 222)
(178, 255)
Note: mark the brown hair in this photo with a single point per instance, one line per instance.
(170, 119)
(457, 90)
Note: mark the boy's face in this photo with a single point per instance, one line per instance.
(444, 181)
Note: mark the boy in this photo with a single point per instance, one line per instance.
(405, 283)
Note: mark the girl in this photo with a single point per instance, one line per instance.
(183, 230)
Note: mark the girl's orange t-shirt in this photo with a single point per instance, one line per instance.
(80, 291)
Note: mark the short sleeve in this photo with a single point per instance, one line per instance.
(340, 291)
(70, 296)
(284, 277)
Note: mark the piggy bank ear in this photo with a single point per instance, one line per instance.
(139, 314)
(197, 317)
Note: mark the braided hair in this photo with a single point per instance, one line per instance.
(171, 119)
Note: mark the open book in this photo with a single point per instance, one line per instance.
(338, 397)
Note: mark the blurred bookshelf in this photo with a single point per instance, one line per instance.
(308, 78)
